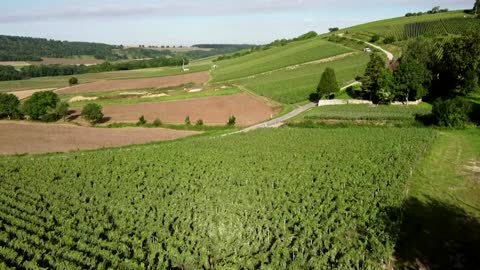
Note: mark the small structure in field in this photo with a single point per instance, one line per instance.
(367, 50)
(215, 66)
(184, 68)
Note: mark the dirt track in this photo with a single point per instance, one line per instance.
(212, 110)
(25, 137)
(159, 82)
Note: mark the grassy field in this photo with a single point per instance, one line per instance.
(365, 112)
(236, 201)
(397, 27)
(442, 214)
(292, 54)
(62, 81)
(295, 85)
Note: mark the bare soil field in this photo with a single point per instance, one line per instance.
(160, 82)
(35, 138)
(247, 109)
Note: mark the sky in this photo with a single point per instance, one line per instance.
(188, 22)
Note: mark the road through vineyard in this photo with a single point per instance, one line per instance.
(286, 198)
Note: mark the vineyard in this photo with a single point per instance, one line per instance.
(454, 22)
(287, 198)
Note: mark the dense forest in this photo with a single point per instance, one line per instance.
(216, 49)
(33, 49)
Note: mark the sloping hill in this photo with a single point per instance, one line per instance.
(453, 22)
(276, 58)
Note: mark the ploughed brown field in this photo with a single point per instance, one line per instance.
(159, 82)
(247, 109)
(25, 137)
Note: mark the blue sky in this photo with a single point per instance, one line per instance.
(186, 22)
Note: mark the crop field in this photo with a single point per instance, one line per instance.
(214, 110)
(276, 58)
(25, 137)
(296, 84)
(453, 22)
(366, 112)
(240, 201)
(62, 81)
(128, 84)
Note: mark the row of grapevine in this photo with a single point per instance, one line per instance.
(285, 198)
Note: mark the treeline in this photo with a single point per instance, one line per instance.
(434, 10)
(275, 43)
(33, 49)
(8, 73)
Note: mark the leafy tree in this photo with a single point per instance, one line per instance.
(199, 123)
(389, 40)
(374, 74)
(92, 112)
(73, 81)
(40, 104)
(328, 83)
(386, 91)
(9, 106)
(187, 121)
(61, 110)
(412, 79)
(476, 7)
(333, 29)
(456, 72)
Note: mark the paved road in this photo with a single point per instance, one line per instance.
(279, 121)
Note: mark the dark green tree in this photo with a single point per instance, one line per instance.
(9, 106)
(412, 79)
(374, 73)
(92, 112)
(40, 104)
(328, 83)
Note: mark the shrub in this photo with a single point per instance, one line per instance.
(73, 81)
(389, 40)
(199, 123)
(231, 121)
(157, 123)
(451, 112)
(141, 121)
(61, 110)
(39, 104)
(187, 121)
(9, 106)
(92, 113)
(375, 38)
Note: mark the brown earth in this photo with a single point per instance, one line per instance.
(212, 110)
(159, 82)
(34, 138)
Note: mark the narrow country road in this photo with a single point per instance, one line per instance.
(279, 121)
(389, 54)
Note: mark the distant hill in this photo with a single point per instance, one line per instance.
(14, 48)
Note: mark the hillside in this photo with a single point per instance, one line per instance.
(453, 22)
